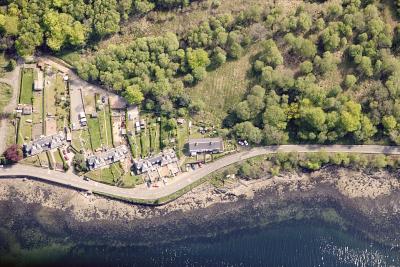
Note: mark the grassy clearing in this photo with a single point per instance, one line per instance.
(94, 130)
(5, 95)
(223, 88)
(26, 87)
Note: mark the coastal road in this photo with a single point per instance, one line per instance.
(184, 179)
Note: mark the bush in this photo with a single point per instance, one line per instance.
(350, 81)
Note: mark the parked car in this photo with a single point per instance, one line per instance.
(64, 152)
(103, 99)
(66, 157)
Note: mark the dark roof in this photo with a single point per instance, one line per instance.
(206, 145)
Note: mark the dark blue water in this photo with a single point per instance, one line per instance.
(295, 244)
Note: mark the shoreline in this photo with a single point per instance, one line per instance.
(343, 197)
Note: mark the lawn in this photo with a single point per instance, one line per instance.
(223, 89)
(105, 126)
(38, 107)
(62, 106)
(144, 143)
(35, 161)
(26, 86)
(81, 140)
(24, 129)
(154, 135)
(44, 160)
(50, 98)
(108, 175)
(94, 130)
(182, 135)
(5, 95)
(58, 157)
(130, 181)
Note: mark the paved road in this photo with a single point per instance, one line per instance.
(184, 179)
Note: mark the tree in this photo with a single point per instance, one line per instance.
(14, 153)
(133, 95)
(350, 117)
(271, 55)
(389, 123)
(247, 131)
(327, 63)
(11, 65)
(79, 163)
(350, 81)
(106, 17)
(306, 67)
(197, 58)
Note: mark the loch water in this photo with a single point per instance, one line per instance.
(296, 243)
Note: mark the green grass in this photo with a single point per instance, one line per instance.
(94, 130)
(108, 175)
(223, 89)
(76, 142)
(129, 181)
(182, 138)
(5, 95)
(58, 157)
(154, 135)
(24, 129)
(62, 108)
(44, 160)
(105, 126)
(38, 115)
(35, 161)
(145, 143)
(50, 159)
(103, 176)
(26, 86)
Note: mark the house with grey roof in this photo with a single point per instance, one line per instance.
(44, 143)
(205, 145)
(108, 157)
(153, 163)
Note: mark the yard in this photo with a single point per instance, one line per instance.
(94, 130)
(81, 140)
(26, 87)
(62, 103)
(104, 120)
(109, 175)
(24, 129)
(5, 95)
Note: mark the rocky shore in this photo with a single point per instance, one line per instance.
(367, 202)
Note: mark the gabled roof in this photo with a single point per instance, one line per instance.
(206, 145)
